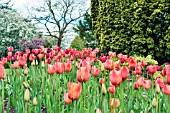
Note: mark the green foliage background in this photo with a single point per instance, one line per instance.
(131, 27)
(78, 43)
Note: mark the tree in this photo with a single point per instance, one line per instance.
(13, 27)
(5, 5)
(138, 27)
(85, 31)
(58, 16)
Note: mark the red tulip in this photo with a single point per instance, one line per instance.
(59, 67)
(140, 81)
(138, 70)
(74, 90)
(95, 71)
(124, 72)
(112, 89)
(26, 71)
(10, 54)
(152, 69)
(160, 82)
(2, 71)
(101, 81)
(167, 69)
(115, 77)
(136, 86)
(83, 74)
(4, 61)
(15, 65)
(132, 62)
(40, 56)
(51, 69)
(66, 99)
(48, 60)
(68, 66)
(147, 84)
(22, 61)
(10, 49)
(31, 57)
(109, 64)
(166, 89)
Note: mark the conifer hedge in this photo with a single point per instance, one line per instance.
(140, 27)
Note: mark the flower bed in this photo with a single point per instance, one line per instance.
(71, 81)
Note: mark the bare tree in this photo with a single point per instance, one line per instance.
(57, 15)
(5, 4)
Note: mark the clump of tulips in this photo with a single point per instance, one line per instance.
(87, 81)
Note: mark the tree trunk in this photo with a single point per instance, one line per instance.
(59, 41)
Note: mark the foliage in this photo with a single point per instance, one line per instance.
(133, 27)
(78, 43)
(12, 28)
(85, 31)
(148, 60)
(34, 43)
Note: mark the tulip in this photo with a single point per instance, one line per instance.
(166, 89)
(140, 81)
(15, 65)
(109, 64)
(40, 56)
(87, 64)
(124, 72)
(138, 70)
(160, 82)
(157, 88)
(68, 66)
(10, 49)
(59, 67)
(152, 69)
(66, 99)
(154, 102)
(27, 95)
(10, 54)
(48, 60)
(98, 110)
(104, 89)
(95, 71)
(136, 87)
(35, 101)
(31, 57)
(51, 69)
(83, 74)
(167, 68)
(101, 81)
(26, 71)
(132, 62)
(74, 90)
(147, 84)
(112, 89)
(114, 103)
(115, 77)
(2, 71)
(22, 61)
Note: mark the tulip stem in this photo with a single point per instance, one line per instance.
(2, 95)
(35, 109)
(26, 107)
(42, 85)
(122, 97)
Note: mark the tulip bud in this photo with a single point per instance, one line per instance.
(33, 63)
(26, 71)
(36, 62)
(102, 67)
(157, 88)
(154, 102)
(27, 95)
(42, 64)
(35, 101)
(132, 111)
(104, 89)
(98, 110)
(25, 85)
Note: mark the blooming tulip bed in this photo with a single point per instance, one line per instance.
(53, 80)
